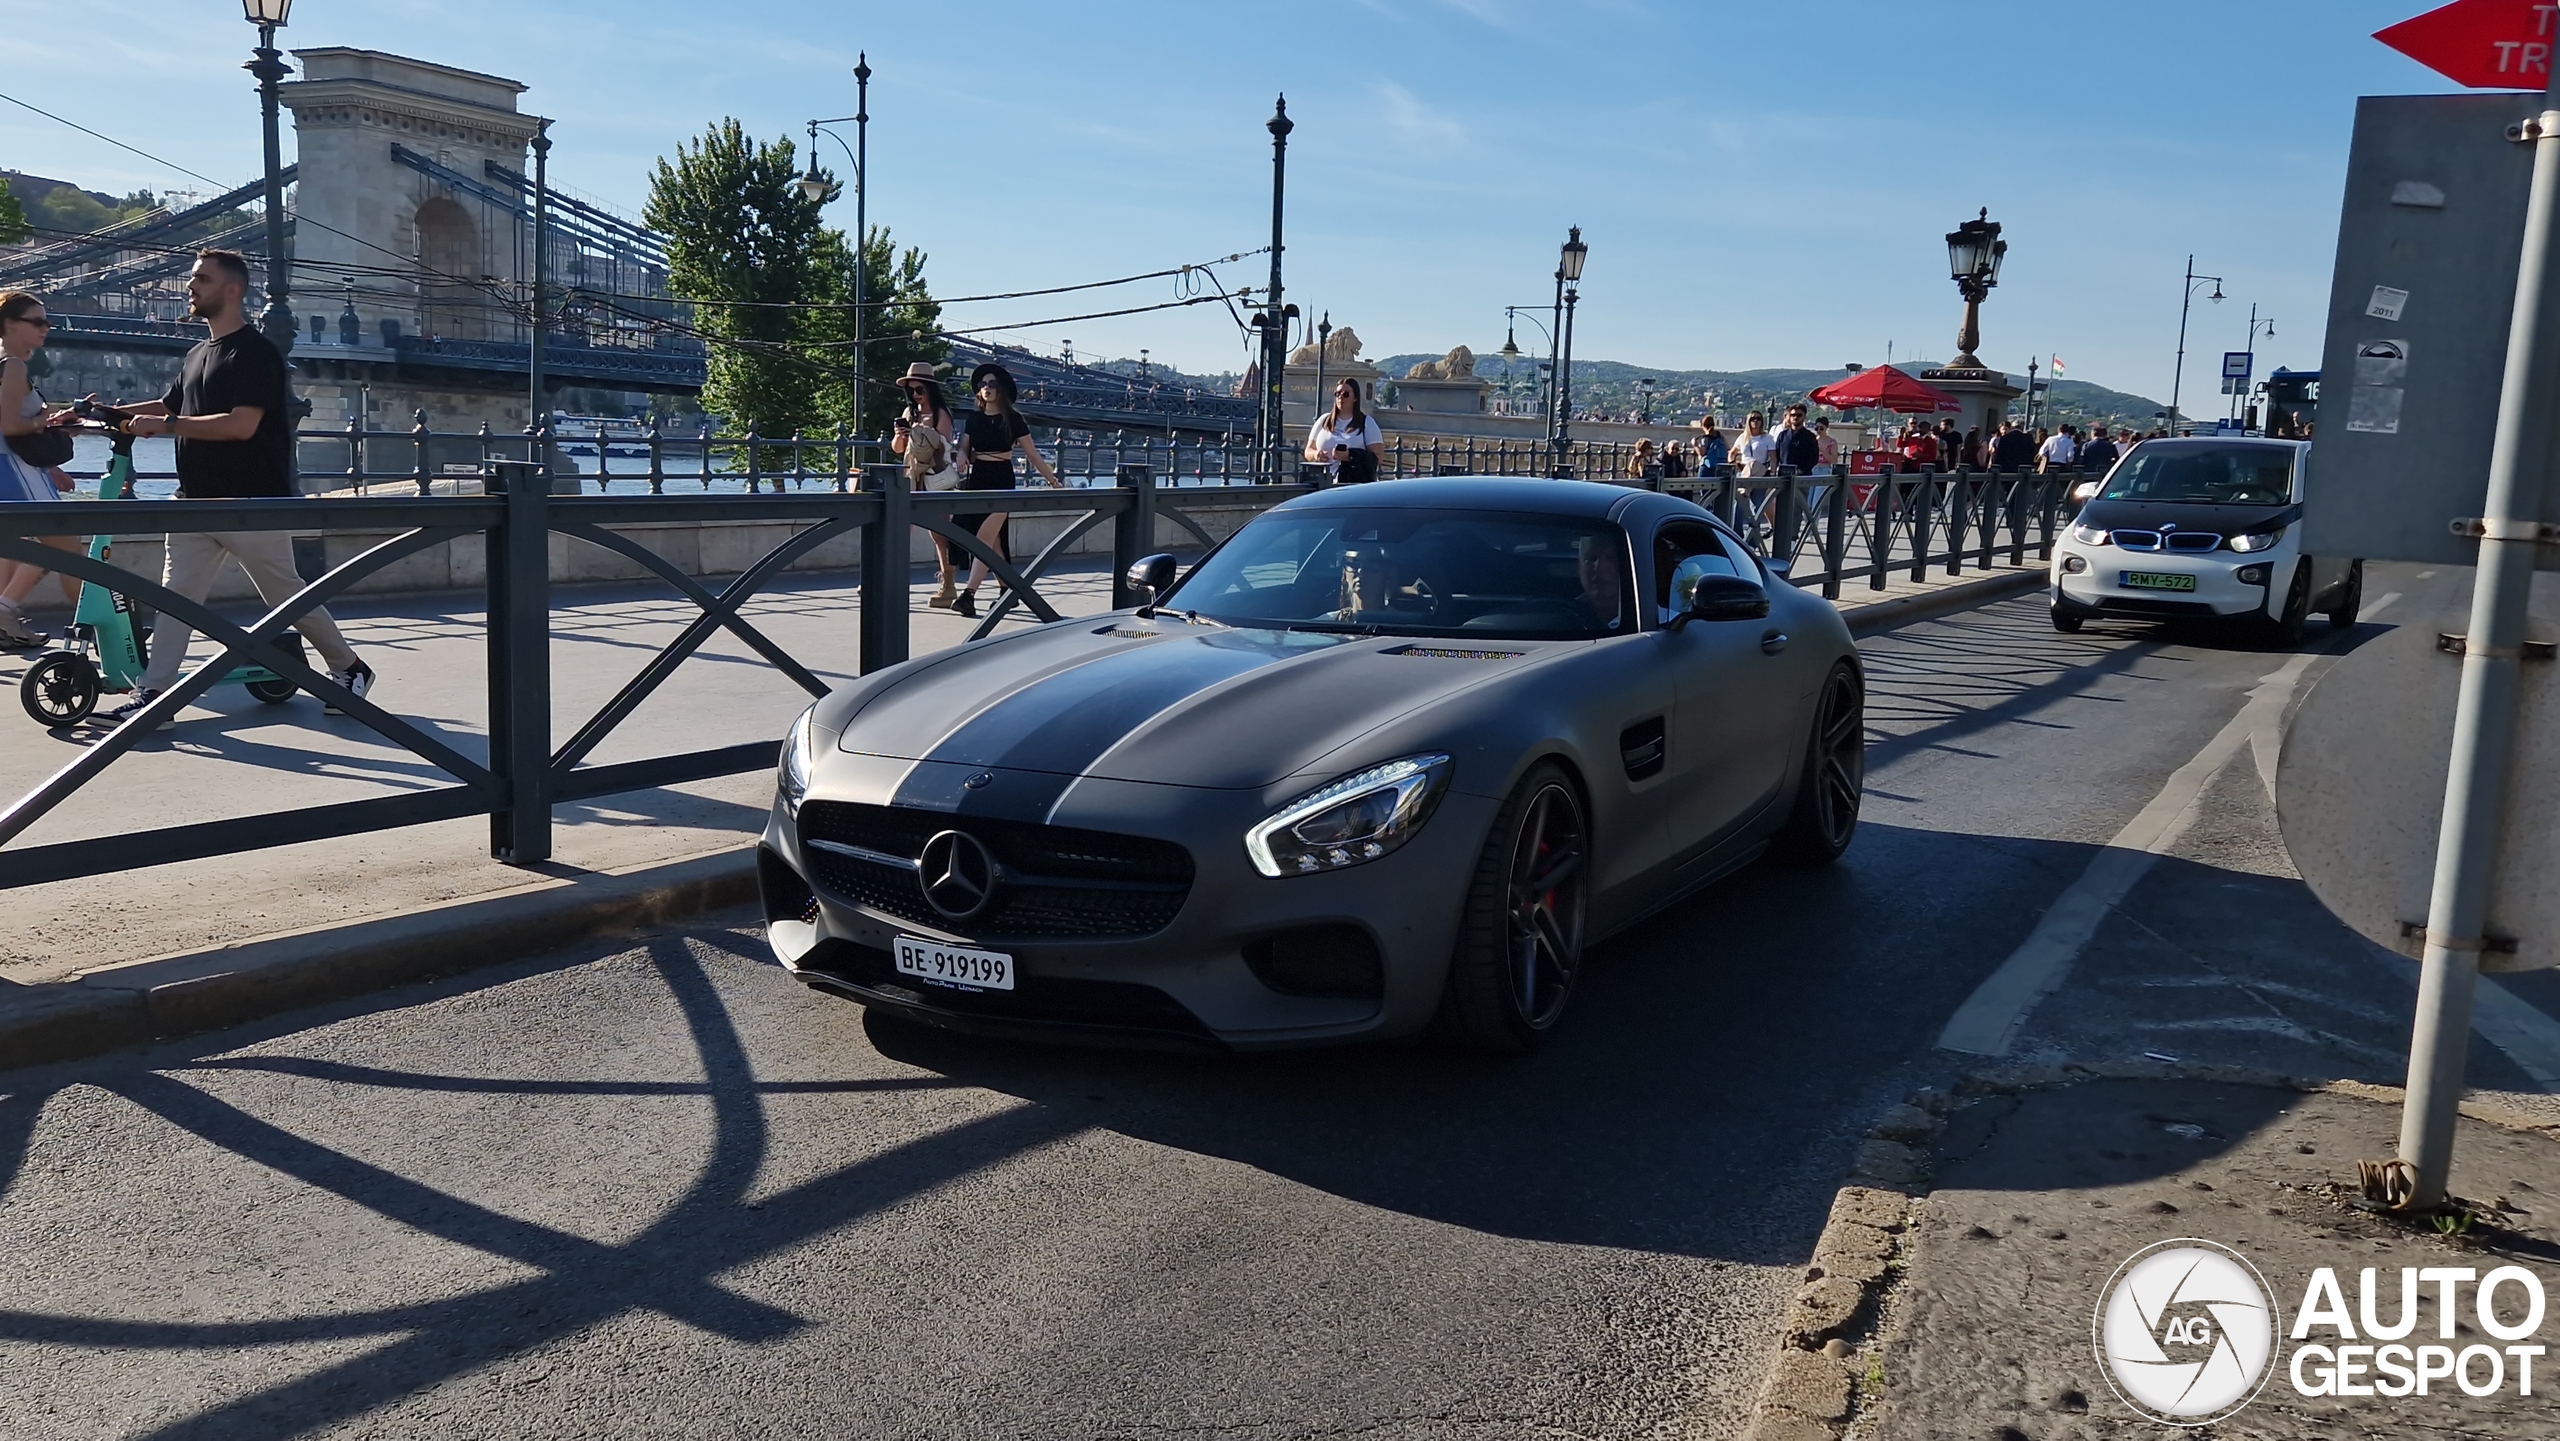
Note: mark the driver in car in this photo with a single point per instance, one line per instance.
(1596, 562)
(1368, 580)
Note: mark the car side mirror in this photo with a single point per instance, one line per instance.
(1151, 578)
(1723, 597)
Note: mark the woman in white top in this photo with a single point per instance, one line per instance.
(23, 329)
(1345, 440)
(1755, 451)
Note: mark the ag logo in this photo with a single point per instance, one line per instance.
(2185, 1332)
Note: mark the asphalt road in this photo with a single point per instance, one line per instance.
(666, 1192)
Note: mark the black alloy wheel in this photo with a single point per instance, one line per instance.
(1825, 816)
(60, 690)
(2342, 615)
(2294, 625)
(1520, 941)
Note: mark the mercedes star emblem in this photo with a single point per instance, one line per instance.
(958, 874)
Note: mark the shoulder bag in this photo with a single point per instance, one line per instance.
(43, 448)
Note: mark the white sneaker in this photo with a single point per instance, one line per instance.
(357, 678)
(124, 714)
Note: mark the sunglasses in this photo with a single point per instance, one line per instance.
(40, 322)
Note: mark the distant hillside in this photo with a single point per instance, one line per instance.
(1610, 386)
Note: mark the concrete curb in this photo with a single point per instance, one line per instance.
(1946, 600)
(1816, 1386)
(206, 990)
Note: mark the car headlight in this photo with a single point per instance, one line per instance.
(1354, 820)
(2089, 534)
(799, 758)
(2255, 541)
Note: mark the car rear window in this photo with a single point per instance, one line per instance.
(1419, 572)
(2205, 475)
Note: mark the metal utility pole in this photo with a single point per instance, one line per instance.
(2186, 299)
(1555, 367)
(1275, 337)
(541, 409)
(2484, 722)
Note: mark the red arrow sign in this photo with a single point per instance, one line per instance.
(2485, 44)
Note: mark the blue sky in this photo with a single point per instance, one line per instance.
(1760, 185)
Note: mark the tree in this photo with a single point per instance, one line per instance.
(739, 230)
(903, 323)
(14, 229)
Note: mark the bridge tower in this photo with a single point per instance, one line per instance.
(400, 223)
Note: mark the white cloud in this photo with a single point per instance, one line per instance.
(1416, 121)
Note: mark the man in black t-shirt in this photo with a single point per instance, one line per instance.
(231, 414)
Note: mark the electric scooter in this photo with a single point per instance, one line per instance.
(103, 652)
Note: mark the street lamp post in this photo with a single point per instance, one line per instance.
(1275, 337)
(1324, 336)
(1974, 253)
(2186, 299)
(1568, 279)
(814, 187)
(2256, 327)
(1644, 403)
(267, 64)
(1512, 315)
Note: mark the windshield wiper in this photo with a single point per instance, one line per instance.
(1337, 627)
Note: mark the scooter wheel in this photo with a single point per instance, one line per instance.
(60, 690)
(273, 692)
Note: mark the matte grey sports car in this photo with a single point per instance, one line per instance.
(1391, 755)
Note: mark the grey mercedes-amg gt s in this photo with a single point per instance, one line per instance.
(1392, 755)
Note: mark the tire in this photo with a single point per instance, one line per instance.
(60, 690)
(2066, 620)
(273, 692)
(2294, 626)
(2342, 616)
(1520, 938)
(1824, 818)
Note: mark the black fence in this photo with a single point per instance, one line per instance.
(1821, 530)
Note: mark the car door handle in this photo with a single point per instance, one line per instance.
(1773, 642)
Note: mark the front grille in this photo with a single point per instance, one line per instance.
(1054, 881)
(1059, 999)
(2151, 540)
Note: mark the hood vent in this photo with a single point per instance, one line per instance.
(1428, 652)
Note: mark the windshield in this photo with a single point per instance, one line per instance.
(1418, 572)
(2205, 475)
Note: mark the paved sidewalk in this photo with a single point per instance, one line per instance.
(2039, 1196)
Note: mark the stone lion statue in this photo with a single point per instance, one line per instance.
(1340, 348)
(1458, 364)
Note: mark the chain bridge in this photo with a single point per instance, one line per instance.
(411, 215)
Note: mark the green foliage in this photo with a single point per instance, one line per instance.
(738, 229)
(903, 319)
(13, 218)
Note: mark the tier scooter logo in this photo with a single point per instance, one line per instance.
(2185, 1332)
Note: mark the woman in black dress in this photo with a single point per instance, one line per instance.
(993, 433)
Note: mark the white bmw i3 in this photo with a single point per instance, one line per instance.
(2201, 529)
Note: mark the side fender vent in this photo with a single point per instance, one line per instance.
(1644, 747)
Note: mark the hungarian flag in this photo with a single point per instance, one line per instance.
(2057, 365)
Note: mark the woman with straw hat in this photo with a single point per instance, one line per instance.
(926, 408)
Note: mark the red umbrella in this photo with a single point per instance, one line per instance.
(1885, 388)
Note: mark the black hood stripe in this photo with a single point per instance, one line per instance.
(1065, 722)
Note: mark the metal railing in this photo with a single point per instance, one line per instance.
(1849, 528)
(523, 774)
